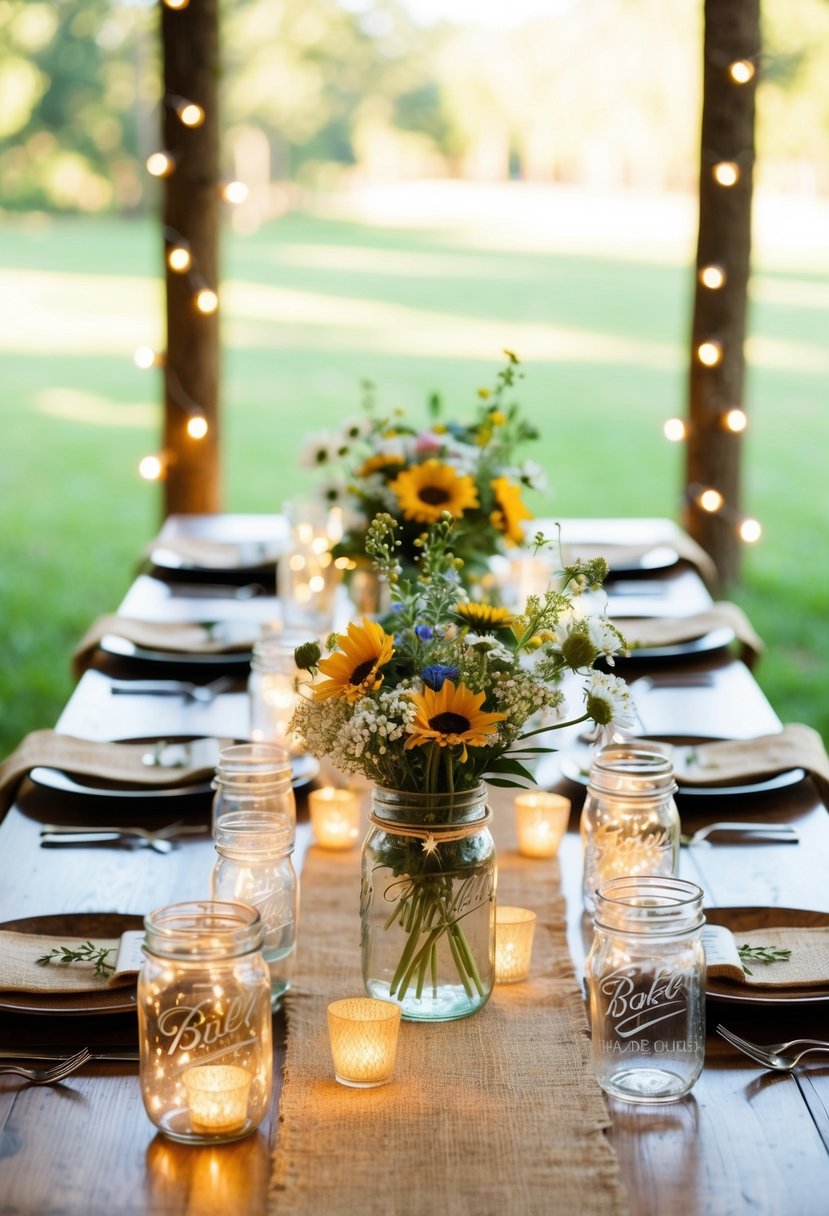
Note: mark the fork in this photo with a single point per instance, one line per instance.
(48, 1076)
(782, 833)
(204, 694)
(158, 839)
(774, 1055)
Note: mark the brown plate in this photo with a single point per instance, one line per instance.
(743, 920)
(73, 1004)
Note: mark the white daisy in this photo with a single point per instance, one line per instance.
(609, 702)
(319, 450)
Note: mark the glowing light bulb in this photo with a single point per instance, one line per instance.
(710, 501)
(741, 71)
(675, 430)
(726, 173)
(179, 258)
(749, 531)
(151, 468)
(190, 114)
(197, 427)
(206, 301)
(735, 420)
(176, 4)
(712, 277)
(160, 164)
(145, 358)
(234, 192)
(710, 352)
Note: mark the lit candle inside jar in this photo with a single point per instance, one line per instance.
(335, 817)
(540, 820)
(363, 1036)
(217, 1095)
(514, 929)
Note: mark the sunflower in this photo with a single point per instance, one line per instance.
(484, 618)
(509, 510)
(353, 670)
(426, 490)
(452, 717)
(380, 463)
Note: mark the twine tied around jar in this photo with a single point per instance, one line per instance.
(434, 836)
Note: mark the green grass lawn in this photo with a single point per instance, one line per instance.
(311, 307)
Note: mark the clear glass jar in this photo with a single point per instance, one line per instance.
(272, 687)
(646, 978)
(254, 778)
(306, 574)
(204, 1022)
(629, 821)
(428, 903)
(254, 866)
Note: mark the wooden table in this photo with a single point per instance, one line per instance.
(744, 1140)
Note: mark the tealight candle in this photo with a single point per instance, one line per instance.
(335, 817)
(540, 820)
(514, 929)
(363, 1036)
(217, 1095)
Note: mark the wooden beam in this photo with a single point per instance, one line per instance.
(732, 35)
(190, 42)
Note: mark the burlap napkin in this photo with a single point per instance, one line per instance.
(807, 966)
(224, 637)
(735, 761)
(620, 557)
(664, 631)
(21, 972)
(123, 764)
(217, 555)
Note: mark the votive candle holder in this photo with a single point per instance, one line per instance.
(363, 1036)
(514, 930)
(541, 820)
(335, 817)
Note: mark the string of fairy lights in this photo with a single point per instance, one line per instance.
(180, 260)
(710, 352)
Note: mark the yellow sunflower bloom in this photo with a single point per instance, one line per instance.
(426, 490)
(378, 463)
(353, 670)
(509, 511)
(484, 618)
(452, 717)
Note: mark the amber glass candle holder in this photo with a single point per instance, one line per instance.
(335, 817)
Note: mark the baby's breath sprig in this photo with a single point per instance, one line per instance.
(87, 953)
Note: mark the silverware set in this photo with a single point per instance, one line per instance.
(780, 1057)
(777, 833)
(202, 694)
(161, 840)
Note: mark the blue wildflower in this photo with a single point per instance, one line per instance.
(424, 632)
(435, 674)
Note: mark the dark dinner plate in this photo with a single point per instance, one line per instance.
(73, 1004)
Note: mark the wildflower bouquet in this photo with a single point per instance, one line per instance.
(452, 696)
(382, 463)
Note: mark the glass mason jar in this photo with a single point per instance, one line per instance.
(271, 687)
(254, 866)
(254, 778)
(427, 903)
(307, 576)
(204, 1022)
(629, 821)
(646, 978)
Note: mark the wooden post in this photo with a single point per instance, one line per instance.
(190, 42)
(732, 36)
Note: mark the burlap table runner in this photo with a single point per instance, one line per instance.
(667, 631)
(493, 1114)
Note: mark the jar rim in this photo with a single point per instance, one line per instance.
(243, 832)
(649, 903)
(205, 929)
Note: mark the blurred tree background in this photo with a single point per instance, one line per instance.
(321, 93)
